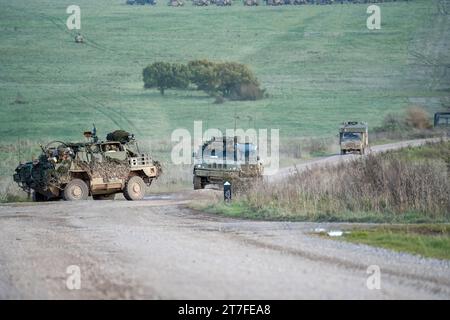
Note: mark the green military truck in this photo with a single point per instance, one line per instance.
(223, 159)
(354, 137)
(75, 171)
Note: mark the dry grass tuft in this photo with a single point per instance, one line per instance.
(386, 184)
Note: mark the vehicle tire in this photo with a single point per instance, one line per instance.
(104, 196)
(134, 189)
(38, 197)
(343, 152)
(76, 189)
(198, 183)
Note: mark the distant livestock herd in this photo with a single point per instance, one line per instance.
(179, 3)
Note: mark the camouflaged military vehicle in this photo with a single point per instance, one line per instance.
(201, 3)
(222, 3)
(251, 2)
(141, 2)
(79, 38)
(274, 2)
(354, 137)
(74, 171)
(175, 3)
(225, 159)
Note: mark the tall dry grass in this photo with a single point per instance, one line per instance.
(413, 123)
(387, 184)
(10, 191)
(298, 148)
(11, 153)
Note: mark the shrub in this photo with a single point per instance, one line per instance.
(19, 99)
(248, 91)
(393, 122)
(219, 99)
(163, 75)
(231, 80)
(231, 76)
(203, 75)
(417, 118)
(413, 124)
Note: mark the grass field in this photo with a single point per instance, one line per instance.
(319, 64)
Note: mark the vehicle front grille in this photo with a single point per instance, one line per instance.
(217, 166)
(141, 160)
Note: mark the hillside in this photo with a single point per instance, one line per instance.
(319, 64)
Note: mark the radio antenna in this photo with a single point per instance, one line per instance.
(18, 150)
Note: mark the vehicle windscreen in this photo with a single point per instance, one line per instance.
(241, 152)
(346, 136)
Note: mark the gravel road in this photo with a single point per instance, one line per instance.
(159, 249)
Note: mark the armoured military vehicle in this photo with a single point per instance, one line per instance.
(175, 3)
(79, 38)
(442, 119)
(201, 3)
(223, 3)
(141, 2)
(251, 2)
(223, 159)
(274, 2)
(294, 2)
(354, 137)
(74, 171)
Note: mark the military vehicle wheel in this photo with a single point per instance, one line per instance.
(104, 196)
(198, 183)
(343, 152)
(37, 197)
(76, 189)
(134, 189)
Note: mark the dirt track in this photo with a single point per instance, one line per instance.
(159, 249)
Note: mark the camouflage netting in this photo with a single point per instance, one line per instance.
(62, 174)
(109, 169)
(119, 135)
(158, 166)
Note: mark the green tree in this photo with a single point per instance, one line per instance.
(232, 76)
(230, 80)
(164, 75)
(203, 75)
